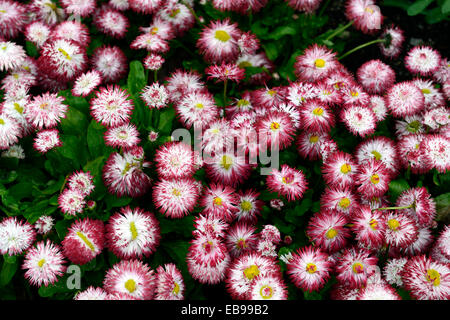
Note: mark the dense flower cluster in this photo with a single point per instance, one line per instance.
(138, 185)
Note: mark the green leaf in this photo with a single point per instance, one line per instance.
(443, 207)
(396, 187)
(21, 190)
(404, 4)
(61, 228)
(271, 49)
(95, 141)
(136, 77)
(72, 148)
(113, 202)
(75, 122)
(281, 32)
(446, 7)
(434, 15)
(166, 119)
(418, 7)
(31, 49)
(9, 269)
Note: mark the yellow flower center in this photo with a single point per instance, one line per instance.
(413, 126)
(2, 121)
(251, 272)
(242, 103)
(271, 92)
(65, 54)
(393, 224)
(318, 111)
(373, 224)
(319, 63)
(244, 64)
(18, 108)
(246, 205)
(311, 268)
(358, 267)
(51, 5)
(86, 241)
(176, 288)
(426, 91)
(222, 35)
(174, 13)
(43, 105)
(433, 276)
(375, 178)
(154, 30)
(15, 75)
(199, 105)
(133, 230)
(346, 168)
(274, 126)
(354, 94)
(176, 192)
(41, 263)
(241, 244)
(369, 10)
(130, 285)
(376, 154)
(344, 203)
(313, 139)
(331, 233)
(226, 162)
(217, 201)
(266, 292)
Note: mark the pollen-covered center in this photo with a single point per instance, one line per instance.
(393, 224)
(133, 230)
(199, 105)
(130, 285)
(375, 178)
(242, 103)
(274, 126)
(311, 268)
(217, 201)
(413, 126)
(176, 288)
(434, 277)
(41, 263)
(266, 292)
(331, 233)
(241, 244)
(318, 111)
(376, 155)
(65, 54)
(246, 205)
(346, 168)
(222, 35)
(18, 108)
(373, 224)
(251, 272)
(344, 202)
(358, 267)
(2, 122)
(313, 139)
(86, 241)
(226, 162)
(319, 63)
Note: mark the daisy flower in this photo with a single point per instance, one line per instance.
(145, 6)
(47, 11)
(373, 178)
(175, 198)
(217, 137)
(44, 224)
(270, 233)
(275, 130)
(378, 291)
(218, 42)
(16, 236)
(369, 227)
(339, 170)
(228, 168)
(409, 125)
(241, 239)
(315, 63)
(443, 243)
(81, 181)
(328, 94)
(242, 273)
(37, 32)
(111, 106)
(378, 105)
(381, 149)
(207, 259)
(150, 42)
(401, 230)
(180, 83)
(71, 201)
(393, 269)
(442, 74)
(326, 230)
(224, 72)
(62, 59)
(131, 277)
(46, 140)
(309, 269)
(11, 55)
(15, 151)
(169, 283)
(123, 174)
(161, 28)
(421, 245)
(123, 136)
(269, 287)
(71, 31)
(308, 144)
(433, 96)
(426, 279)
(43, 263)
(259, 60)
(81, 8)
(355, 266)
(437, 118)
(46, 110)
(209, 225)
(404, 99)
(111, 22)
(84, 240)
(354, 95)
(412, 153)
(288, 182)
(175, 160)
(359, 120)
(268, 97)
(220, 201)
(86, 83)
(341, 200)
(316, 116)
(375, 76)
(132, 233)
(196, 108)
(153, 61)
(249, 206)
(12, 19)
(91, 293)
(178, 15)
(10, 131)
(267, 248)
(394, 38)
(423, 60)
(155, 96)
(365, 14)
(422, 206)
(111, 62)
(307, 6)
(437, 149)
(248, 43)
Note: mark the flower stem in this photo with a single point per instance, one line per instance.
(155, 76)
(64, 184)
(225, 92)
(322, 10)
(395, 208)
(360, 47)
(339, 30)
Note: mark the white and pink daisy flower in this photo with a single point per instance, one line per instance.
(123, 136)
(37, 32)
(404, 99)
(16, 236)
(169, 283)
(197, 108)
(71, 202)
(155, 96)
(225, 72)
(375, 76)
(249, 206)
(401, 230)
(365, 14)
(86, 83)
(220, 201)
(355, 266)
(81, 8)
(241, 238)
(359, 120)
(91, 293)
(111, 62)
(46, 111)
(342, 200)
(369, 227)
(437, 149)
(373, 178)
(175, 160)
(46, 140)
(82, 181)
(10, 131)
(111, 22)
(268, 287)
(339, 170)
(423, 60)
(44, 224)
(422, 206)
(315, 63)
(288, 182)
